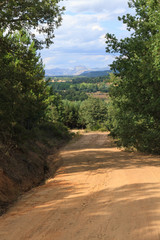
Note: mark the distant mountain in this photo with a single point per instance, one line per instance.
(79, 70)
(95, 73)
(55, 71)
(76, 71)
(66, 72)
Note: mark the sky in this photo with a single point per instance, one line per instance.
(80, 40)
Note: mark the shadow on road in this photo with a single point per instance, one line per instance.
(73, 207)
(103, 155)
(128, 212)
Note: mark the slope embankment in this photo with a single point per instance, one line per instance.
(24, 168)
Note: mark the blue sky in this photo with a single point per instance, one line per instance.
(81, 38)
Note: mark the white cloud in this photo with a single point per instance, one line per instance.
(48, 60)
(81, 38)
(109, 58)
(77, 6)
(97, 27)
(119, 11)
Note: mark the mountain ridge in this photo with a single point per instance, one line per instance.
(95, 73)
(76, 71)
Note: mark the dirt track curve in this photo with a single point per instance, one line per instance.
(100, 192)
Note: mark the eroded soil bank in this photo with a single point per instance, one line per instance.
(21, 170)
(100, 192)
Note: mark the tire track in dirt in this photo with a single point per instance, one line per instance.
(100, 192)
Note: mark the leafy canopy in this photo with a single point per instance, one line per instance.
(24, 95)
(134, 109)
(41, 16)
(22, 90)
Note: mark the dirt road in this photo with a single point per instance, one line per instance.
(100, 192)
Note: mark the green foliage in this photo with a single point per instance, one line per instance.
(22, 89)
(52, 131)
(95, 73)
(134, 108)
(77, 80)
(93, 114)
(79, 111)
(55, 108)
(73, 95)
(40, 16)
(26, 101)
(85, 87)
(76, 89)
(71, 114)
(90, 114)
(60, 86)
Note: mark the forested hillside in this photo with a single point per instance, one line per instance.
(95, 73)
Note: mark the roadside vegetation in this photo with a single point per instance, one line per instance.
(27, 131)
(134, 108)
(25, 96)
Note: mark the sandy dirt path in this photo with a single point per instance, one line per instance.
(100, 192)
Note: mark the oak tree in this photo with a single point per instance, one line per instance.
(38, 16)
(135, 98)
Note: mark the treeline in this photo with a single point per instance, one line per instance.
(85, 87)
(134, 109)
(25, 98)
(73, 95)
(76, 80)
(76, 89)
(89, 114)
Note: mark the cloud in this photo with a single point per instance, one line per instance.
(97, 27)
(77, 6)
(48, 60)
(81, 38)
(71, 60)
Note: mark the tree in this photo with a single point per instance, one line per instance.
(93, 113)
(23, 92)
(22, 88)
(71, 114)
(55, 109)
(134, 107)
(41, 16)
